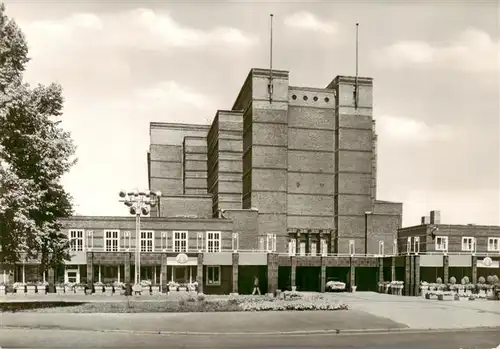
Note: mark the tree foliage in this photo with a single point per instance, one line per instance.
(35, 152)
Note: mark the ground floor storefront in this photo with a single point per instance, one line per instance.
(225, 273)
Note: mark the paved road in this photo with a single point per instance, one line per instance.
(39, 339)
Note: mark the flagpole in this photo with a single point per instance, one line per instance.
(270, 87)
(357, 70)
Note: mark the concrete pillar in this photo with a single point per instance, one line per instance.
(446, 269)
(407, 279)
(474, 270)
(126, 268)
(90, 269)
(163, 272)
(381, 270)
(199, 273)
(323, 274)
(417, 275)
(236, 259)
(393, 269)
(293, 272)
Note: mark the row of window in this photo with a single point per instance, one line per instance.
(209, 241)
(468, 244)
(441, 244)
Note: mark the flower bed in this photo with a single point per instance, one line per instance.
(201, 303)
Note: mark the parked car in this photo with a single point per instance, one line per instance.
(335, 285)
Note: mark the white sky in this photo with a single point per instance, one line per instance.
(122, 64)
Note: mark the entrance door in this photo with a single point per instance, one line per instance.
(180, 274)
(72, 276)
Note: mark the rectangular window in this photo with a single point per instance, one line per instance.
(236, 242)
(352, 249)
(467, 243)
(271, 242)
(112, 240)
(493, 244)
(147, 241)
(199, 241)
(292, 248)
(381, 248)
(441, 243)
(213, 241)
(324, 247)
(126, 241)
(213, 275)
(90, 240)
(76, 240)
(261, 244)
(314, 247)
(164, 241)
(180, 241)
(302, 249)
(416, 244)
(395, 247)
(408, 245)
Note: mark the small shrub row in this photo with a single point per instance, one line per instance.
(282, 305)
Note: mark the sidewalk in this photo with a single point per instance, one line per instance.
(223, 323)
(420, 313)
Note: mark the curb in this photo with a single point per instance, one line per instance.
(346, 332)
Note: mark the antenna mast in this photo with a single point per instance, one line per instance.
(357, 61)
(270, 86)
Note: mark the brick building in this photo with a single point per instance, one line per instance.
(434, 249)
(282, 186)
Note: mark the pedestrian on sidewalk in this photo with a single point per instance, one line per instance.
(256, 288)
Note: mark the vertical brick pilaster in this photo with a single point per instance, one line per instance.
(126, 268)
(272, 272)
(236, 262)
(446, 269)
(308, 242)
(417, 275)
(412, 276)
(381, 270)
(407, 280)
(293, 271)
(474, 270)
(352, 274)
(322, 284)
(393, 269)
(90, 269)
(51, 279)
(164, 274)
(199, 273)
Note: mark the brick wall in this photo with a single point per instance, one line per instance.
(198, 206)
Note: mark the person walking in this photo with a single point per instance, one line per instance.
(256, 288)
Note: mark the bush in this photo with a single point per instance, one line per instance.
(465, 280)
(439, 280)
(201, 297)
(481, 280)
(453, 280)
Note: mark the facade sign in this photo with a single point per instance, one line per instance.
(487, 262)
(181, 258)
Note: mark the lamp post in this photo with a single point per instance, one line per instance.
(140, 203)
(366, 230)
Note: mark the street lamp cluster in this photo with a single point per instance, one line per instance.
(139, 203)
